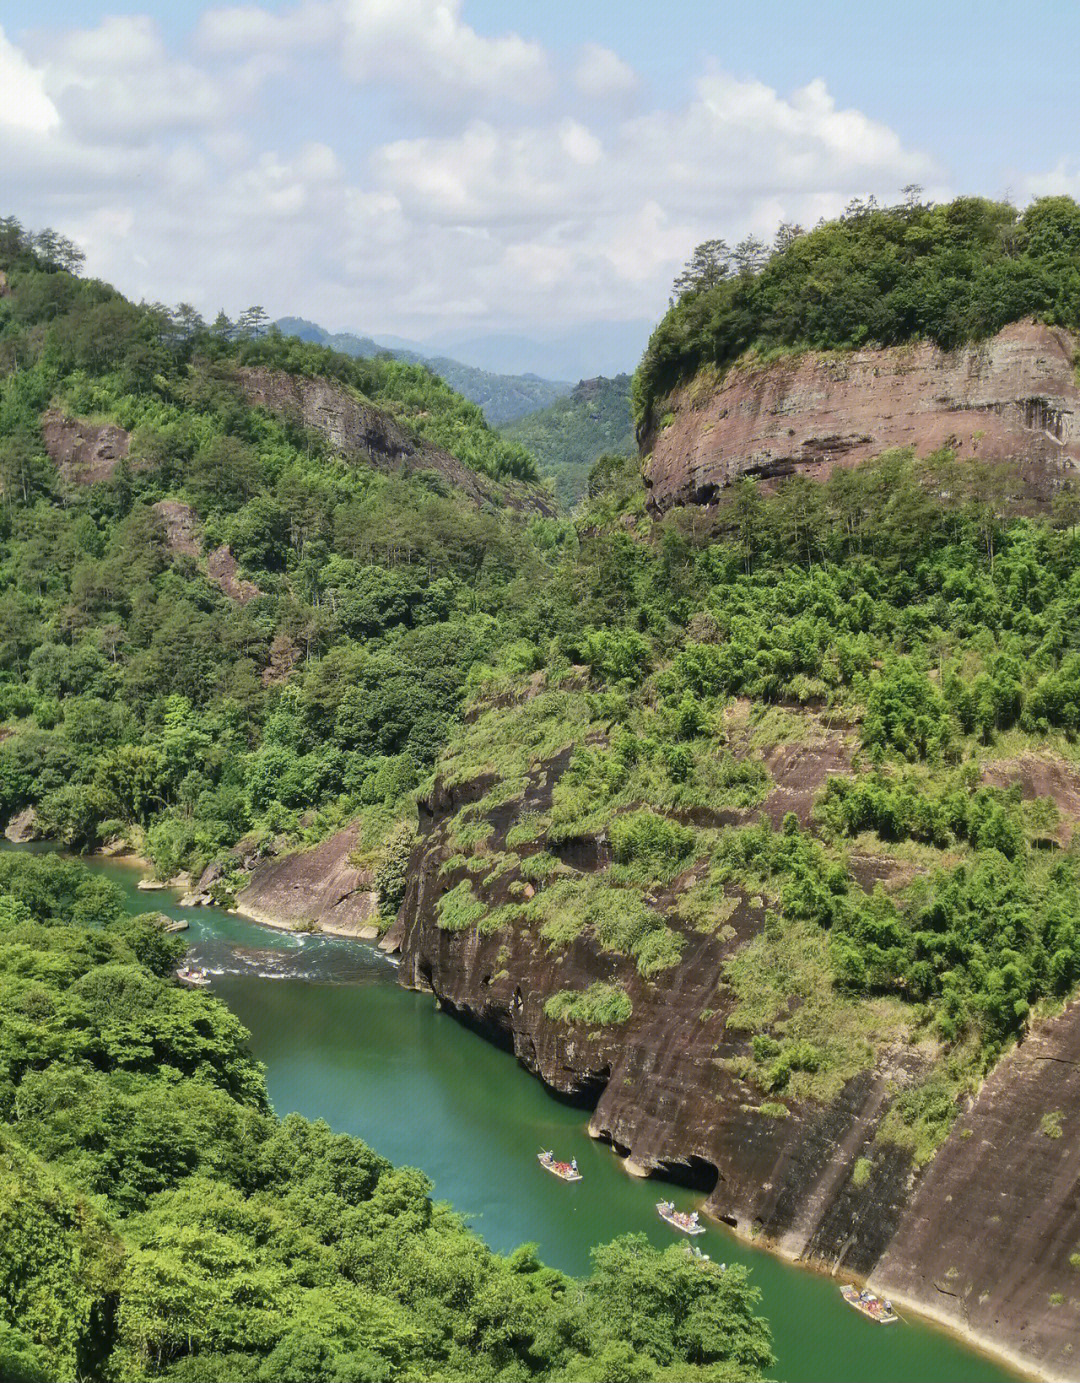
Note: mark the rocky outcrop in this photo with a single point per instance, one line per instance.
(84, 452)
(663, 1085)
(1037, 776)
(183, 536)
(314, 890)
(1012, 398)
(357, 430)
(983, 1239)
(22, 827)
(991, 1240)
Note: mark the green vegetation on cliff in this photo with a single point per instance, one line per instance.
(878, 276)
(142, 697)
(158, 1221)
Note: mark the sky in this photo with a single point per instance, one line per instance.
(442, 168)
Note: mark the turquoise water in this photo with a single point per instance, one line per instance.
(342, 1042)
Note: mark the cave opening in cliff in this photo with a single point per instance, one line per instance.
(697, 1173)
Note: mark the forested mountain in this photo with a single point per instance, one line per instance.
(571, 433)
(750, 820)
(501, 397)
(877, 276)
(247, 586)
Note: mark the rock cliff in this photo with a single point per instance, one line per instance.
(991, 1238)
(183, 535)
(1011, 398)
(317, 889)
(84, 452)
(982, 1239)
(357, 430)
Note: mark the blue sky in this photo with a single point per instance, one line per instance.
(438, 166)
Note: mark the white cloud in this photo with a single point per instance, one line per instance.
(250, 29)
(24, 104)
(422, 47)
(157, 157)
(602, 75)
(427, 45)
(1059, 181)
(118, 82)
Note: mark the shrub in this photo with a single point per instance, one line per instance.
(598, 1006)
(459, 908)
(652, 845)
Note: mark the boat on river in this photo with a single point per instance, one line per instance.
(198, 979)
(874, 1308)
(678, 1219)
(566, 1171)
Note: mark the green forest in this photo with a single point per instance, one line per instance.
(572, 433)
(158, 1221)
(878, 276)
(394, 633)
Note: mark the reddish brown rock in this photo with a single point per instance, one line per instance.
(1039, 776)
(317, 889)
(356, 429)
(183, 535)
(982, 1238)
(799, 772)
(987, 1240)
(221, 568)
(662, 1089)
(1012, 398)
(84, 452)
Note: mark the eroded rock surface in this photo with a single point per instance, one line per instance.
(183, 535)
(317, 889)
(1011, 398)
(84, 452)
(982, 1238)
(987, 1240)
(661, 1085)
(356, 429)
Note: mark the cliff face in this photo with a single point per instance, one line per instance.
(989, 1237)
(1012, 398)
(982, 1238)
(183, 535)
(357, 430)
(664, 1093)
(84, 452)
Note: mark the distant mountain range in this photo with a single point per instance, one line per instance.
(594, 348)
(503, 397)
(568, 435)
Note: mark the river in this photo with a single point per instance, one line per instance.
(341, 1041)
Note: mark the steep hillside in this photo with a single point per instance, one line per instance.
(244, 580)
(752, 826)
(778, 871)
(1011, 399)
(573, 432)
(501, 397)
(159, 1221)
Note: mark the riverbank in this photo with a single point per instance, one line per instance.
(342, 1041)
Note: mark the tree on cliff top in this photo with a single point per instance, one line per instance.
(877, 276)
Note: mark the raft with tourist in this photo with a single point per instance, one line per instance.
(679, 1219)
(878, 1309)
(191, 975)
(566, 1171)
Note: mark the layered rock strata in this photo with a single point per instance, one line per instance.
(356, 429)
(1013, 398)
